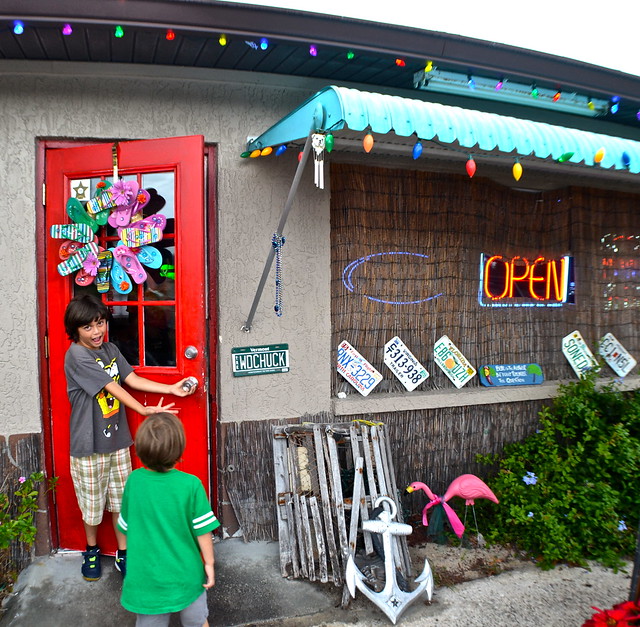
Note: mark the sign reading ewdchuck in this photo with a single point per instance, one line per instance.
(250, 360)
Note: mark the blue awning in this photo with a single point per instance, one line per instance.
(335, 109)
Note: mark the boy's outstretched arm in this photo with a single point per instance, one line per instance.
(129, 401)
(147, 385)
(206, 548)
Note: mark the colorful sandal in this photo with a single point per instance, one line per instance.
(149, 256)
(83, 278)
(119, 278)
(77, 213)
(105, 259)
(144, 232)
(74, 262)
(128, 260)
(68, 248)
(77, 232)
(101, 202)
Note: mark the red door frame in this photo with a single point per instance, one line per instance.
(210, 157)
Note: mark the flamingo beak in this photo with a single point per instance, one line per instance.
(409, 489)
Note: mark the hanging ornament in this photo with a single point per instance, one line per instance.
(517, 170)
(265, 152)
(565, 157)
(281, 149)
(255, 153)
(471, 167)
(277, 241)
(626, 159)
(367, 142)
(417, 149)
(317, 143)
(599, 156)
(329, 142)
(245, 154)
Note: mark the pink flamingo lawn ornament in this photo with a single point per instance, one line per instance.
(468, 487)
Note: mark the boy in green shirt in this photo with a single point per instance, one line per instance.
(168, 521)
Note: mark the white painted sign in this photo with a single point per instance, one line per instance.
(452, 362)
(401, 361)
(616, 355)
(356, 369)
(578, 354)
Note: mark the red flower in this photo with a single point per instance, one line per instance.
(621, 615)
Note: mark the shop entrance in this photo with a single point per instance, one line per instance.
(160, 324)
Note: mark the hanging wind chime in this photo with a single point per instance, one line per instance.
(277, 242)
(318, 145)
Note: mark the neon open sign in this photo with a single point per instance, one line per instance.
(520, 282)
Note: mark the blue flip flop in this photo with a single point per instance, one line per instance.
(149, 256)
(120, 280)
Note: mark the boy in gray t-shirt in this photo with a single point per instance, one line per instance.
(99, 432)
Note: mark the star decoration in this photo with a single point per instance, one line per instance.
(80, 190)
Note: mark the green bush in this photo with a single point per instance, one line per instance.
(569, 492)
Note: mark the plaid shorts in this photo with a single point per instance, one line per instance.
(99, 483)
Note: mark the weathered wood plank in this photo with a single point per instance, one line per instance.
(291, 529)
(355, 519)
(338, 500)
(356, 449)
(308, 541)
(282, 494)
(302, 551)
(326, 505)
(319, 535)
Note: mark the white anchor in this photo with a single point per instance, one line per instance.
(391, 600)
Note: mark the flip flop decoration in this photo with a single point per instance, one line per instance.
(121, 206)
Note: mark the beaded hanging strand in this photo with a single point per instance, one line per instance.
(278, 242)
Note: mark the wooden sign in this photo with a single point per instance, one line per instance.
(577, 352)
(510, 374)
(401, 361)
(356, 369)
(619, 360)
(452, 362)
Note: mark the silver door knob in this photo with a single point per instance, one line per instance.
(191, 352)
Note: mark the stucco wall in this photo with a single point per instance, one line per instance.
(135, 102)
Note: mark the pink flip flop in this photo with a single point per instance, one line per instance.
(128, 260)
(83, 278)
(69, 248)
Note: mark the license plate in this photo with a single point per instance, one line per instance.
(616, 355)
(356, 369)
(401, 361)
(452, 362)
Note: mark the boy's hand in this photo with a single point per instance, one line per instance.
(150, 409)
(178, 390)
(211, 576)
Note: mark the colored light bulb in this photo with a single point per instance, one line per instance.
(638, 115)
(417, 149)
(471, 84)
(313, 51)
(264, 43)
(67, 30)
(517, 170)
(591, 105)
(18, 27)
(170, 36)
(614, 107)
(599, 156)
(255, 153)
(626, 159)
(118, 32)
(265, 152)
(222, 40)
(400, 62)
(470, 167)
(367, 142)
(557, 96)
(329, 142)
(428, 67)
(245, 154)
(565, 157)
(281, 149)
(534, 91)
(499, 84)
(350, 54)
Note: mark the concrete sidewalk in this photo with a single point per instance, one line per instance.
(249, 590)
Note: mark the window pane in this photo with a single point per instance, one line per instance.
(123, 331)
(160, 335)
(161, 282)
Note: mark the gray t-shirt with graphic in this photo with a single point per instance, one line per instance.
(98, 420)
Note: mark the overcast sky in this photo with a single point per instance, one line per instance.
(601, 33)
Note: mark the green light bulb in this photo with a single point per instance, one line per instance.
(118, 32)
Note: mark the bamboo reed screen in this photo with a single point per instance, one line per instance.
(446, 221)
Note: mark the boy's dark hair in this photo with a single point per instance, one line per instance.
(81, 310)
(160, 441)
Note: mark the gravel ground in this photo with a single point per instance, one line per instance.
(519, 594)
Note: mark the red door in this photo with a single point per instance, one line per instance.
(160, 325)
